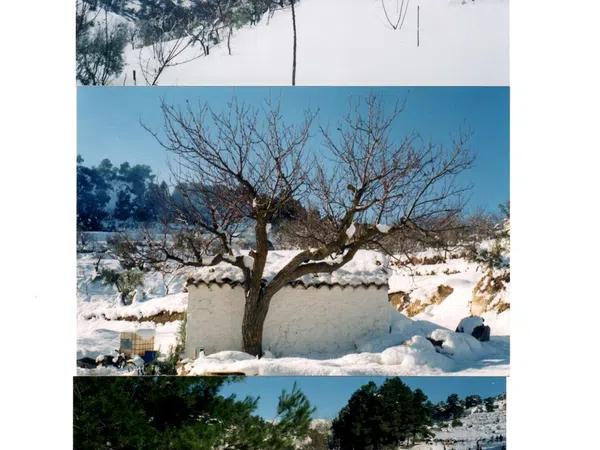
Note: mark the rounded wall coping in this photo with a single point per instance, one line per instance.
(297, 284)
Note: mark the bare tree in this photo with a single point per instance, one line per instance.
(396, 21)
(274, 5)
(243, 165)
(166, 51)
(295, 44)
(225, 11)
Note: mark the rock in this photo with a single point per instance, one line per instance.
(399, 299)
(481, 333)
(474, 326)
(87, 363)
(490, 293)
(436, 342)
(411, 306)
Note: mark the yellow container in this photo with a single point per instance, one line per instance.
(137, 342)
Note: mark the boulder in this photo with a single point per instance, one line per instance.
(474, 326)
(481, 333)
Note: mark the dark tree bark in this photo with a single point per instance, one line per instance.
(293, 3)
(229, 40)
(166, 52)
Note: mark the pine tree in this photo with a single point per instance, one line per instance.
(454, 406)
(472, 400)
(180, 413)
(377, 418)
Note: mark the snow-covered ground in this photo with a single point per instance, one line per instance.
(405, 350)
(416, 357)
(478, 426)
(350, 42)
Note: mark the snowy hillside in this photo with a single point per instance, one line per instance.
(442, 292)
(478, 427)
(488, 429)
(351, 42)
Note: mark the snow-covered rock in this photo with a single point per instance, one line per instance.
(468, 324)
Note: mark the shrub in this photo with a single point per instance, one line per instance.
(489, 404)
(125, 281)
(100, 54)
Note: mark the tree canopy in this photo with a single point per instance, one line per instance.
(378, 417)
(180, 413)
(110, 197)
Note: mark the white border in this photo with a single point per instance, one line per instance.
(38, 222)
(553, 389)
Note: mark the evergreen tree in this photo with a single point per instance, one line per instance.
(179, 413)
(92, 197)
(123, 206)
(376, 418)
(472, 400)
(489, 404)
(454, 406)
(137, 197)
(421, 411)
(100, 49)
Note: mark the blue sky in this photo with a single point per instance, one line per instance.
(330, 394)
(109, 122)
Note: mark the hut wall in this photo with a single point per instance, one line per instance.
(325, 320)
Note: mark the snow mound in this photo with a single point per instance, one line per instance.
(459, 345)
(229, 356)
(418, 351)
(468, 324)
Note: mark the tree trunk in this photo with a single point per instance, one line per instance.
(255, 313)
(293, 2)
(229, 41)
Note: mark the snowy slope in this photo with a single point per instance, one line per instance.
(422, 280)
(478, 425)
(350, 42)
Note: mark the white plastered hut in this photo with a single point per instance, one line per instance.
(323, 314)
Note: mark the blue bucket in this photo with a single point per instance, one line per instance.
(149, 356)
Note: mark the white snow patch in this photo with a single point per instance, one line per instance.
(350, 42)
(351, 230)
(382, 228)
